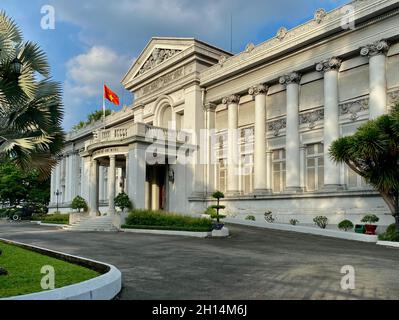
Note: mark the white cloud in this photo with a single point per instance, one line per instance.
(86, 74)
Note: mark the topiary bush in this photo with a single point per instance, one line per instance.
(370, 219)
(250, 218)
(294, 222)
(321, 221)
(79, 204)
(123, 202)
(218, 195)
(346, 225)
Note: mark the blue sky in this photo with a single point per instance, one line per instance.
(97, 40)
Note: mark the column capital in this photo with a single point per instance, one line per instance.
(291, 78)
(210, 106)
(375, 48)
(332, 64)
(233, 99)
(113, 157)
(258, 89)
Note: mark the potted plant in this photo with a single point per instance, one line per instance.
(321, 221)
(370, 221)
(218, 195)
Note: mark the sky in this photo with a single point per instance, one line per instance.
(96, 41)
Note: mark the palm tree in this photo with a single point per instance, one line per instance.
(31, 108)
(373, 153)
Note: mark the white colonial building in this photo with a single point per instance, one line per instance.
(271, 114)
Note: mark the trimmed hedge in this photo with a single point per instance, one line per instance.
(54, 218)
(390, 234)
(160, 220)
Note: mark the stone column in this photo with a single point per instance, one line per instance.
(292, 132)
(127, 175)
(111, 186)
(233, 145)
(136, 175)
(211, 160)
(53, 187)
(330, 68)
(93, 188)
(378, 79)
(101, 183)
(260, 165)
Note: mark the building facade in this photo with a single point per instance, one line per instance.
(257, 125)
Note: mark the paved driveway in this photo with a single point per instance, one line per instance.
(252, 264)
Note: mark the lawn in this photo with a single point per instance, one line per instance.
(24, 271)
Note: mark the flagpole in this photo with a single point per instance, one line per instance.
(104, 107)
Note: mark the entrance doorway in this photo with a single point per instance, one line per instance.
(156, 186)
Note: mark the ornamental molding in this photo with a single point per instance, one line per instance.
(319, 15)
(249, 48)
(161, 82)
(277, 125)
(233, 99)
(374, 49)
(281, 33)
(293, 77)
(353, 108)
(309, 30)
(158, 56)
(311, 118)
(222, 60)
(258, 89)
(331, 64)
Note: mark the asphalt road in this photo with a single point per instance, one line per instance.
(252, 264)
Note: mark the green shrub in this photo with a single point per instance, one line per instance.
(321, 222)
(56, 218)
(218, 195)
(294, 222)
(346, 225)
(250, 218)
(148, 218)
(79, 204)
(269, 218)
(370, 219)
(210, 211)
(390, 234)
(123, 202)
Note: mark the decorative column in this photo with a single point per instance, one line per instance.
(233, 145)
(210, 109)
(330, 68)
(93, 188)
(136, 176)
(260, 165)
(111, 186)
(291, 81)
(377, 53)
(101, 183)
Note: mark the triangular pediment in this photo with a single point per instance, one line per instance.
(157, 52)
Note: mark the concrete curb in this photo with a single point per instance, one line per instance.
(170, 233)
(388, 244)
(51, 224)
(307, 230)
(105, 287)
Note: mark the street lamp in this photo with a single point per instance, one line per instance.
(58, 193)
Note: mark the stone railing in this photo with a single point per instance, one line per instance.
(142, 130)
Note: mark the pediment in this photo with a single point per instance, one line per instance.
(157, 52)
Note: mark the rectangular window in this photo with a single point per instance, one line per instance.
(279, 171)
(354, 181)
(314, 167)
(247, 159)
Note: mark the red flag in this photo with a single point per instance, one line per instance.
(111, 96)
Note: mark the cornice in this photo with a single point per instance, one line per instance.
(316, 28)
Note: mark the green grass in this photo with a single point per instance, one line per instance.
(24, 271)
(53, 218)
(159, 220)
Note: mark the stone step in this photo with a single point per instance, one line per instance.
(97, 224)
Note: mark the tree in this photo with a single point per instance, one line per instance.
(91, 118)
(79, 204)
(373, 153)
(23, 188)
(122, 201)
(30, 103)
